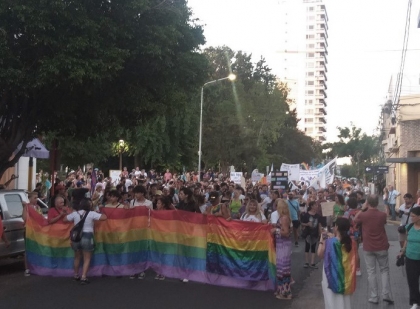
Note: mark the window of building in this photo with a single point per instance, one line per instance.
(310, 9)
(309, 83)
(310, 73)
(310, 65)
(310, 55)
(310, 36)
(311, 27)
(311, 17)
(309, 120)
(309, 130)
(309, 92)
(310, 45)
(309, 111)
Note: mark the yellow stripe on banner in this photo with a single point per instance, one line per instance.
(238, 244)
(179, 227)
(46, 240)
(181, 239)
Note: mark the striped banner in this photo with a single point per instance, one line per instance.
(176, 244)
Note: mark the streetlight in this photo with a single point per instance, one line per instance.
(120, 150)
(231, 77)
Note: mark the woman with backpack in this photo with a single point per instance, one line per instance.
(311, 229)
(86, 245)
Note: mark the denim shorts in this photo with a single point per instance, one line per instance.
(85, 244)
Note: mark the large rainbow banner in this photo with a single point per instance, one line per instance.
(176, 244)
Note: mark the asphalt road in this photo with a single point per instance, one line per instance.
(17, 291)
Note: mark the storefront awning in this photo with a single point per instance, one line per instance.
(403, 160)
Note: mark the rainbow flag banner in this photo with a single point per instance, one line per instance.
(340, 266)
(176, 244)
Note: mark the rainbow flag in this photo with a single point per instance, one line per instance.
(174, 243)
(340, 266)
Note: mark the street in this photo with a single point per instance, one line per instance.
(17, 291)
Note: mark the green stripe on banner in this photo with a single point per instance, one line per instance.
(178, 249)
(238, 254)
(120, 248)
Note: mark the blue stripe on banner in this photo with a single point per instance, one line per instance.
(247, 270)
(50, 262)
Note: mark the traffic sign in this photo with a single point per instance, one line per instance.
(370, 169)
(376, 169)
(382, 169)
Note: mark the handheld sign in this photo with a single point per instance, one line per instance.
(279, 180)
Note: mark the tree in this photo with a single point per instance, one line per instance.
(362, 148)
(248, 123)
(79, 68)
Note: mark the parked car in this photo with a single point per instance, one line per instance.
(11, 213)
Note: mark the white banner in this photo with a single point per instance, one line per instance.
(236, 177)
(319, 178)
(256, 176)
(293, 170)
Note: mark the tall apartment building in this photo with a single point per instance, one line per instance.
(303, 62)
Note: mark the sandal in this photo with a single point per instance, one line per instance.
(306, 265)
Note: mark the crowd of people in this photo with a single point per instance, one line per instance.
(293, 214)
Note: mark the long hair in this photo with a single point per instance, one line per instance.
(258, 211)
(282, 208)
(343, 227)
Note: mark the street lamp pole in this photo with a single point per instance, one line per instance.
(121, 148)
(231, 77)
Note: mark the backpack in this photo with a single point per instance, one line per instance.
(77, 230)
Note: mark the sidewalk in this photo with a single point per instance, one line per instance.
(311, 295)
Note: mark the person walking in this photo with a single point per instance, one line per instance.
(375, 247)
(411, 249)
(392, 201)
(339, 271)
(404, 213)
(294, 215)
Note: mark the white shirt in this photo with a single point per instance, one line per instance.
(76, 216)
(128, 183)
(392, 196)
(146, 203)
(265, 202)
(406, 211)
(274, 217)
(252, 218)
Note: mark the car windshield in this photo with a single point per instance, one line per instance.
(14, 205)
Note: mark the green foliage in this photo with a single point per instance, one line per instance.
(85, 68)
(362, 148)
(248, 123)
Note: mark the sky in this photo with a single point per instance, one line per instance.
(365, 42)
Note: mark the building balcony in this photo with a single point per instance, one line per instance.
(324, 92)
(321, 118)
(322, 101)
(320, 110)
(321, 39)
(321, 128)
(321, 137)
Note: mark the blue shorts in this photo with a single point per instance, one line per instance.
(85, 244)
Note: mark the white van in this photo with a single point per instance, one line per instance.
(11, 213)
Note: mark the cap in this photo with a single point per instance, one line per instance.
(213, 195)
(158, 192)
(79, 183)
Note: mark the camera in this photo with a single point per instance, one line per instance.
(400, 214)
(400, 261)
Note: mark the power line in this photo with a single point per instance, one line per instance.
(403, 55)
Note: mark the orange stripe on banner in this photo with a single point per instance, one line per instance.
(179, 227)
(122, 225)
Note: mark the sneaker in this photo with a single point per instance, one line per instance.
(296, 244)
(84, 281)
(142, 275)
(184, 280)
(314, 266)
(160, 277)
(76, 278)
(27, 273)
(358, 273)
(306, 265)
(415, 306)
(133, 276)
(389, 301)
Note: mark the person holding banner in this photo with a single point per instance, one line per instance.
(281, 230)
